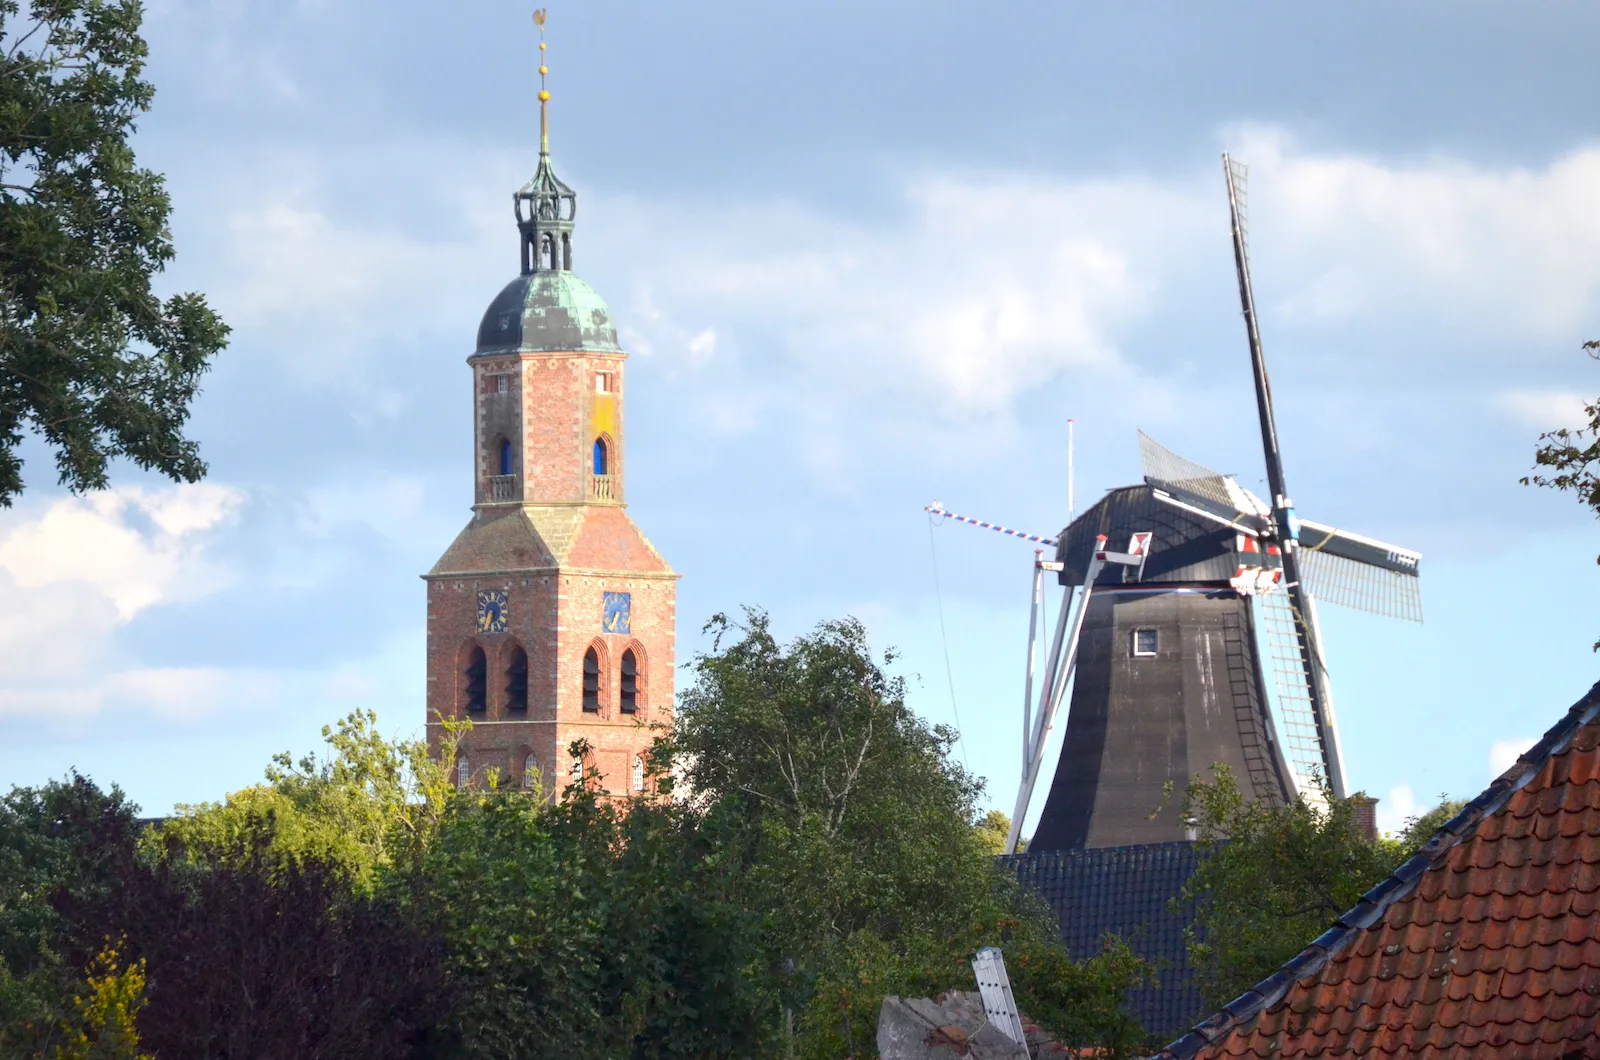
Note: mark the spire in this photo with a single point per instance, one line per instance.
(545, 206)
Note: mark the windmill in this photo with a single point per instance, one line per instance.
(1168, 646)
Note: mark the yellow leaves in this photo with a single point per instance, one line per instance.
(106, 1027)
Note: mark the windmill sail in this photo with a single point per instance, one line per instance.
(1197, 486)
(1338, 567)
(1288, 696)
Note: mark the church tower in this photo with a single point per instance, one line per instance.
(550, 618)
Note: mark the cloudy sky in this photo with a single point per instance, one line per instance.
(864, 255)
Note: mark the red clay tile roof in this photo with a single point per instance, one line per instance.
(1485, 944)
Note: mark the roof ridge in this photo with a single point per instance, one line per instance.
(1372, 905)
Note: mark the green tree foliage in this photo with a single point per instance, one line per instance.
(579, 930)
(994, 828)
(864, 859)
(90, 357)
(1273, 879)
(256, 958)
(106, 1027)
(1572, 456)
(366, 804)
(55, 840)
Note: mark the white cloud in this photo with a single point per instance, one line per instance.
(983, 288)
(703, 347)
(1397, 808)
(96, 541)
(1513, 252)
(1545, 410)
(1504, 753)
(77, 569)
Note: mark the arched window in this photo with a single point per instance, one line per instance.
(530, 772)
(638, 773)
(577, 768)
(547, 252)
(517, 682)
(475, 687)
(463, 772)
(591, 681)
(630, 682)
(602, 457)
(507, 463)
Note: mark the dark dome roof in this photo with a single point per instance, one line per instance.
(548, 312)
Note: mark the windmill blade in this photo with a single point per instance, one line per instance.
(1351, 570)
(1336, 579)
(1315, 537)
(1193, 485)
(1279, 640)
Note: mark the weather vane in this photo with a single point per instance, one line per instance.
(544, 93)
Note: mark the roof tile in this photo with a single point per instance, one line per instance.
(1487, 943)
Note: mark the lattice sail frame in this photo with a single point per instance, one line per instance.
(1351, 583)
(1288, 696)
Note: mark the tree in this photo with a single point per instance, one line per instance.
(994, 828)
(366, 805)
(861, 843)
(106, 1026)
(63, 838)
(255, 957)
(1573, 456)
(1274, 878)
(587, 930)
(90, 357)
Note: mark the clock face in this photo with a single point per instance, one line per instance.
(616, 613)
(491, 610)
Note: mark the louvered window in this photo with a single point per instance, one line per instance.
(591, 681)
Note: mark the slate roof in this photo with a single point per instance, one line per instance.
(1124, 891)
(1484, 944)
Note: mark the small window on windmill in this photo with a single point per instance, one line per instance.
(1145, 642)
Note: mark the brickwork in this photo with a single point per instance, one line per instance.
(561, 563)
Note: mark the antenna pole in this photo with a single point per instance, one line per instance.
(1286, 526)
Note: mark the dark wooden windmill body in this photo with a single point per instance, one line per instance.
(1168, 681)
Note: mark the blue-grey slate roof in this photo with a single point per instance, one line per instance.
(1125, 891)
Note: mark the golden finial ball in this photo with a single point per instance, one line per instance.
(541, 45)
(544, 96)
(543, 69)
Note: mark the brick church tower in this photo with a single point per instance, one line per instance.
(550, 617)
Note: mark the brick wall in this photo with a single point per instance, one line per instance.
(555, 550)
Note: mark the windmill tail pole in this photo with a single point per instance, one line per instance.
(1286, 526)
(938, 509)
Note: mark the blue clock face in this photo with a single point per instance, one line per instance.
(491, 610)
(616, 614)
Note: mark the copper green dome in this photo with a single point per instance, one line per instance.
(548, 312)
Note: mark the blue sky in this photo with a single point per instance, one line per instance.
(864, 255)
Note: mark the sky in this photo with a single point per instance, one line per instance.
(863, 256)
